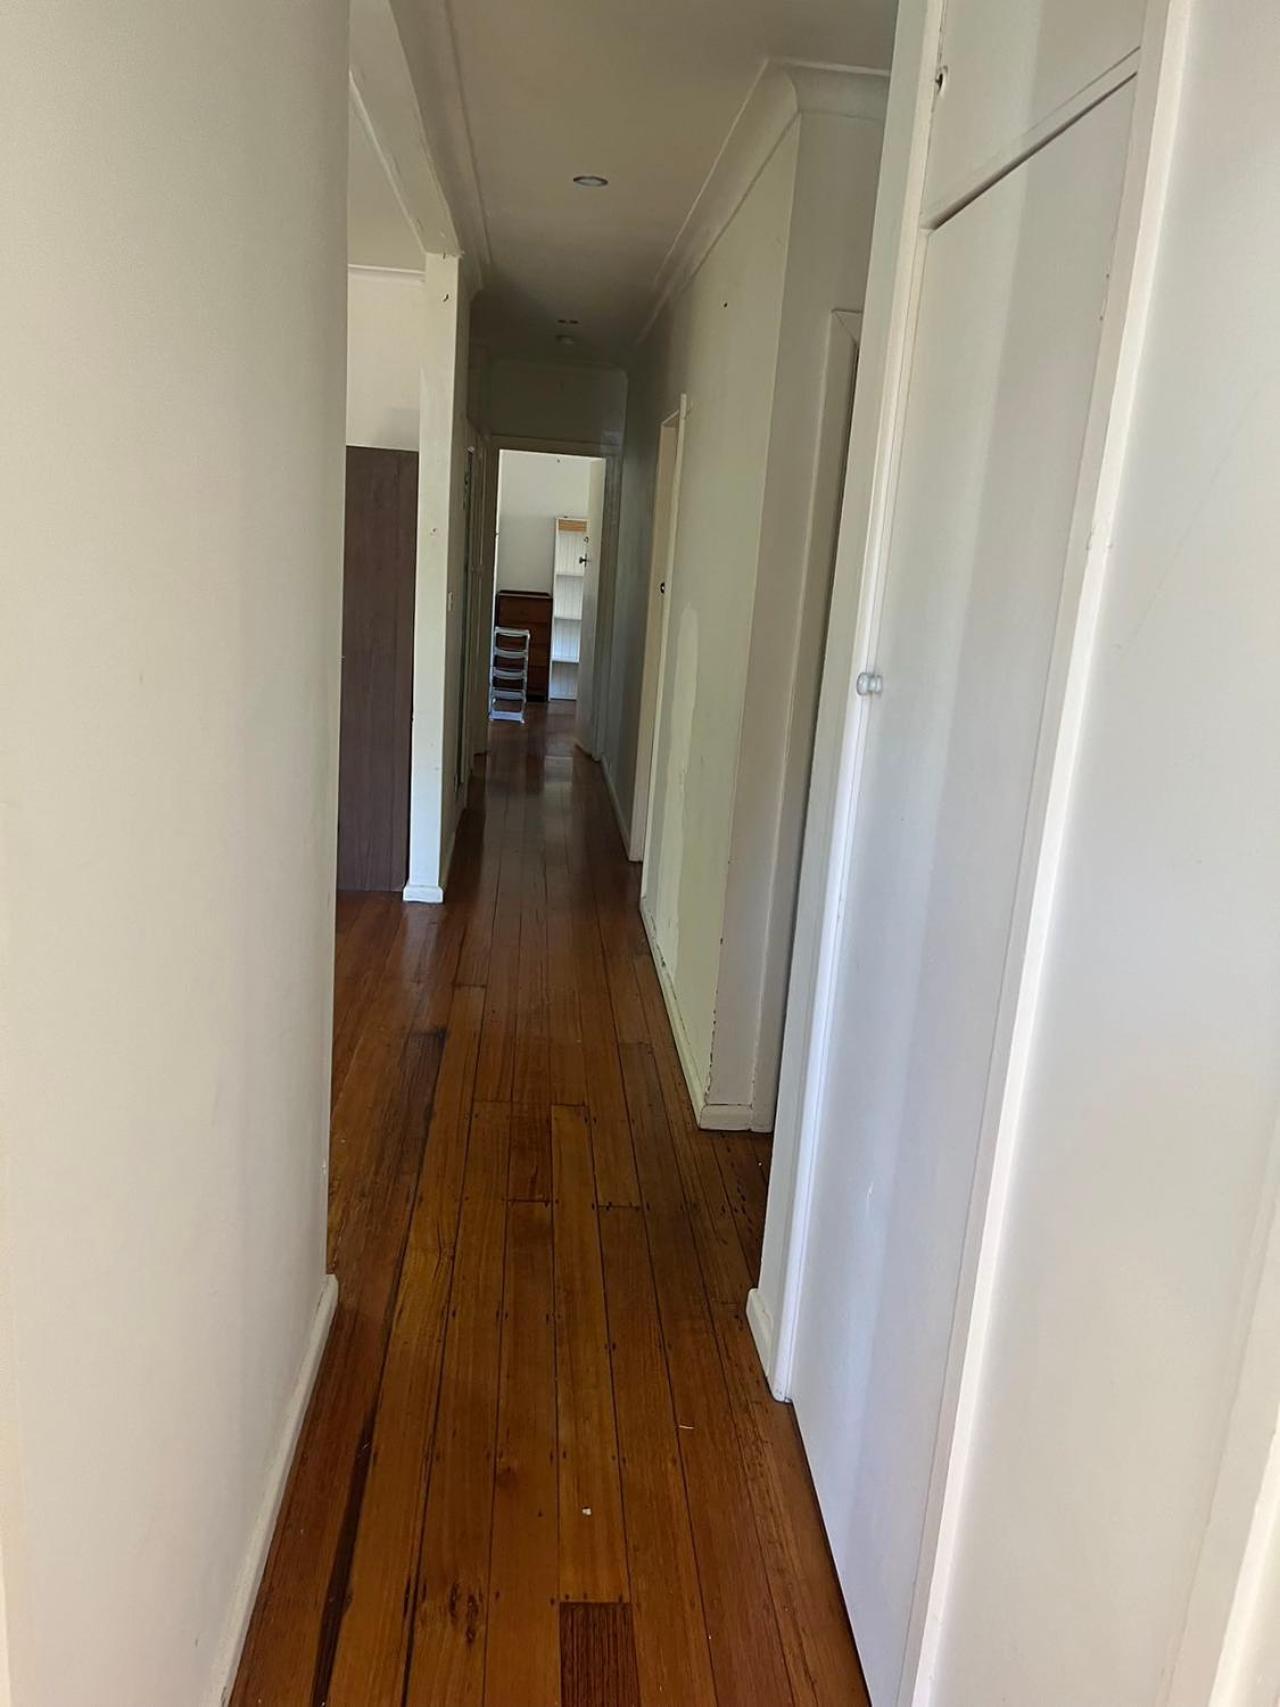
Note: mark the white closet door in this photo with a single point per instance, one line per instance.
(1009, 66)
(1013, 295)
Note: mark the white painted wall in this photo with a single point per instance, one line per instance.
(536, 487)
(836, 176)
(745, 339)
(1144, 1176)
(6, 1693)
(386, 312)
(562, 402)
(171, 424)
(435, 803)
(719, 345)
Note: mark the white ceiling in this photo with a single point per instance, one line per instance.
(520, 95)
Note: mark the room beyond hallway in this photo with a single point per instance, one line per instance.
(541, 1467)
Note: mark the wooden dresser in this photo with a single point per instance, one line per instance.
(531, 611)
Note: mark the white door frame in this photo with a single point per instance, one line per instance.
(476, 476)
(839, 380)
(662, 552)
(611, 456)
(486, 565)
(903, 225)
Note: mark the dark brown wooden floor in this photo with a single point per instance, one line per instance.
(541, 1467)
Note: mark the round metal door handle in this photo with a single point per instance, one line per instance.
(869, 683)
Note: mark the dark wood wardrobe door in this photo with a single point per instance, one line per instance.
(377, 668)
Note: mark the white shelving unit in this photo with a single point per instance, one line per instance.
(568, 584)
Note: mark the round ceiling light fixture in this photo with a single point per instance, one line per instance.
(565, 338)
(590, 181)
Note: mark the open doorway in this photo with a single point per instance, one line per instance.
(549, 525)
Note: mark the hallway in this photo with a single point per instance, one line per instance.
(541, 1465)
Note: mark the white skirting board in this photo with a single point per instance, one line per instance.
(623, 827)
(424, 892)
(710, 1116)
(760, 1321)
(265, 1525)
(433, 893)
(726, 1117)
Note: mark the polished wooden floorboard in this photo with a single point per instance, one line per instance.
(541, 1467)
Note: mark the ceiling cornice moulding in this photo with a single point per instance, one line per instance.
(386, 106)
(846, 90)
(426, 33)
(782, 91)
(362, 267)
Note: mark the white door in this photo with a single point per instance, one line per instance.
(1013, 293)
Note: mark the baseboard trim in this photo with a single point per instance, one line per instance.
(424, 892)
(264, 1527)
(710, 1116)
(624, 829)
(727, 1117)
(433, 893)
(697, 1092)
(760, 1321)
(446, 864)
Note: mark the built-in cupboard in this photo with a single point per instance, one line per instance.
(1006, 347)
(1022, 1260)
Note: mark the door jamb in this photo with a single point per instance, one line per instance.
(662, 556)
(611, 456)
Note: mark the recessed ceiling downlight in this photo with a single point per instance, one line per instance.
(590, 181)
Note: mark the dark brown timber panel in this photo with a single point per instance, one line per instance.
(377, 668)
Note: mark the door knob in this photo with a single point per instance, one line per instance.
(869, 683)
